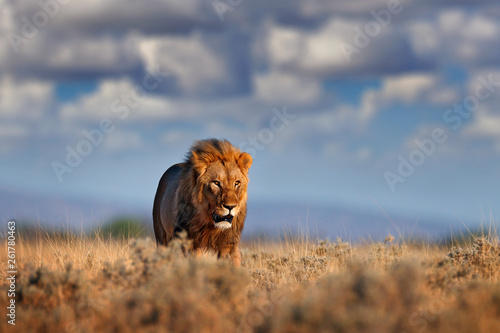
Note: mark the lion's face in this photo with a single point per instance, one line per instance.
(224, 189)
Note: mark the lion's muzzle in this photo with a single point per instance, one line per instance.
(222, 222)
(226, 218)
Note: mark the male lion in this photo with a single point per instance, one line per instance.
(206, 196)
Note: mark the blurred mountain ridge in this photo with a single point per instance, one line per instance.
(264, 220)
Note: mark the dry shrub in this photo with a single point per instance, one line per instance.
(339, 250)
(302, 287)
(483, 259)
(384, 255)
(359, 300)
(152, 288)
(40, 287)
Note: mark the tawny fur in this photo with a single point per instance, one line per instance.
(186, 198)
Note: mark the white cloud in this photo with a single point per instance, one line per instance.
(284, 88)
(364, 154)
(112, 42)
(451, 21)
(175, 137)
(407, 89)
(442, 95)
(99, 38)
(119, 99)
(94, 54)
(330, 131)
(10, 136)
(318, 7)
(472, 27)
(122, 140)
(12, 131)
(478, 79)
(459, 36)
(24, 106)
(7, 19)
(423, 133)
(312, 52)
(158, 15)
(321, 52)
(424, 39)
(486, 124)
(48, 55)
(24, 99)
(481, 27)
(284, 45)
(191, 62)
(97, 104)
(480, 134)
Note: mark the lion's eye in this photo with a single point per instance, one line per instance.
(237, 183)
(216, 183)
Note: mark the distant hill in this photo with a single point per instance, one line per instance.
(348, 223)
(125, 227)
(58, 211)
(268, 220)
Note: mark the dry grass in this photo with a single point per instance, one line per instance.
(78, 284)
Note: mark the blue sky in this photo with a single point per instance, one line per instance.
(325, 125)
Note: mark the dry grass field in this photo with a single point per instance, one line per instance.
(91, 284)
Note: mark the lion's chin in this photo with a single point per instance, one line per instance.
(223, 225)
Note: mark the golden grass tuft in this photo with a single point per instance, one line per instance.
(91, 284)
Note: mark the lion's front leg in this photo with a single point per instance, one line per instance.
(223, 253)
(197, 252)
(236, 255)
(233, 252)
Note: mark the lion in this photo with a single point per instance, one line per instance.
(206, 196)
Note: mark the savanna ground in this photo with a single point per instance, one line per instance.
(75, 283)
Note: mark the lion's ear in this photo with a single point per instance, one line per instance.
(245, 162)
(199, 164)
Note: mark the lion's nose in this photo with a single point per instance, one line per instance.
(229, 207)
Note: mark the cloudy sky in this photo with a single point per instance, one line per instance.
(363, 103)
